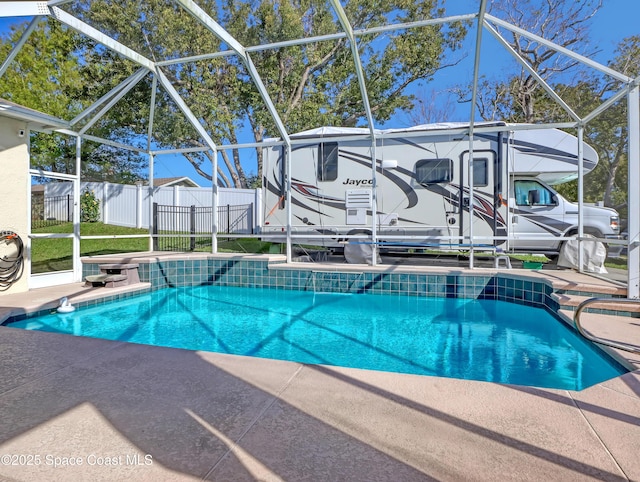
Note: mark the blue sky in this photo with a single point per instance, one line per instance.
(616, 20)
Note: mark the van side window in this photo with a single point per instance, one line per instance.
(532, 193)
(328, 161)
(434, 171)
(481, 172)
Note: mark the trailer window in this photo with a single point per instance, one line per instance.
(532, 193)
(481, 172)
(434, 171)
(328, 161)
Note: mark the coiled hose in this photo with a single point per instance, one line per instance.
(11, 267)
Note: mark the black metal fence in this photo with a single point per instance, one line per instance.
(50, 211)
(187, 228)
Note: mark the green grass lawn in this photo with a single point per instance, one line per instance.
(618, 263)
(56, 254)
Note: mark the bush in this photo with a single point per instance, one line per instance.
(89, 207)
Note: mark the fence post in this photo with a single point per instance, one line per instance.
(105, 202)
(192, 227)
(155, 227)
(138, 206)
(257, 209)
(229, 219)
(69, 212)
(251, 223)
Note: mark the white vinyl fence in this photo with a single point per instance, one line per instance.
(127, 205)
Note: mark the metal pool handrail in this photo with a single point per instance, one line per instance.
(601, 341)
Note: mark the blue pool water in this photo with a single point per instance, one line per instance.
(461, 338)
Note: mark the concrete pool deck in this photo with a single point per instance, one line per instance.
(87, 409)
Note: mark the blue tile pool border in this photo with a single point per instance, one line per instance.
(267, 273)
(264, 272)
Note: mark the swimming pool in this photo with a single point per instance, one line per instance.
(473, 339)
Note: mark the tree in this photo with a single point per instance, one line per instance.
(607, 133)
(564, 22)
(51, 74)
(311, 84)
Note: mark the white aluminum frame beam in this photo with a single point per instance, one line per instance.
(633, 205)
(18, 46)
(168, 86)
(152, 111)
(24, 9)
(531, 71)
(217, 30)
(185, 150)
(580, 197)
(346, 26)
(558, 48)
(109, 142)
(134, 80)
(110, 43)
(105, 97)
(75, 262)
(476, 71)
(606, 104)
(322, 38)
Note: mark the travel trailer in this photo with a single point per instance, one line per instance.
(422, 195)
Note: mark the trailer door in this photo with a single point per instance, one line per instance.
(487, 219)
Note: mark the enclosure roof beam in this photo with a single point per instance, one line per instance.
(346, 25)
(122, 85)
(55, 3)
(18, 46)
(185, 150)
(319, 38)
(171, 90)
(531, 71)
(135, 78)
(152, 111)
(416, 24)
(476, 64)
(608, 103)
(227, 38)
(558, 48)
(111, 143)
(101, 38)
(23, 9)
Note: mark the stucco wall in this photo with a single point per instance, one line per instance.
(14, 179)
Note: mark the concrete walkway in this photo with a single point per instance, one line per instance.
(77, 409)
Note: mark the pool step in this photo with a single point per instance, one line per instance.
(112, 275)
(571, 302)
